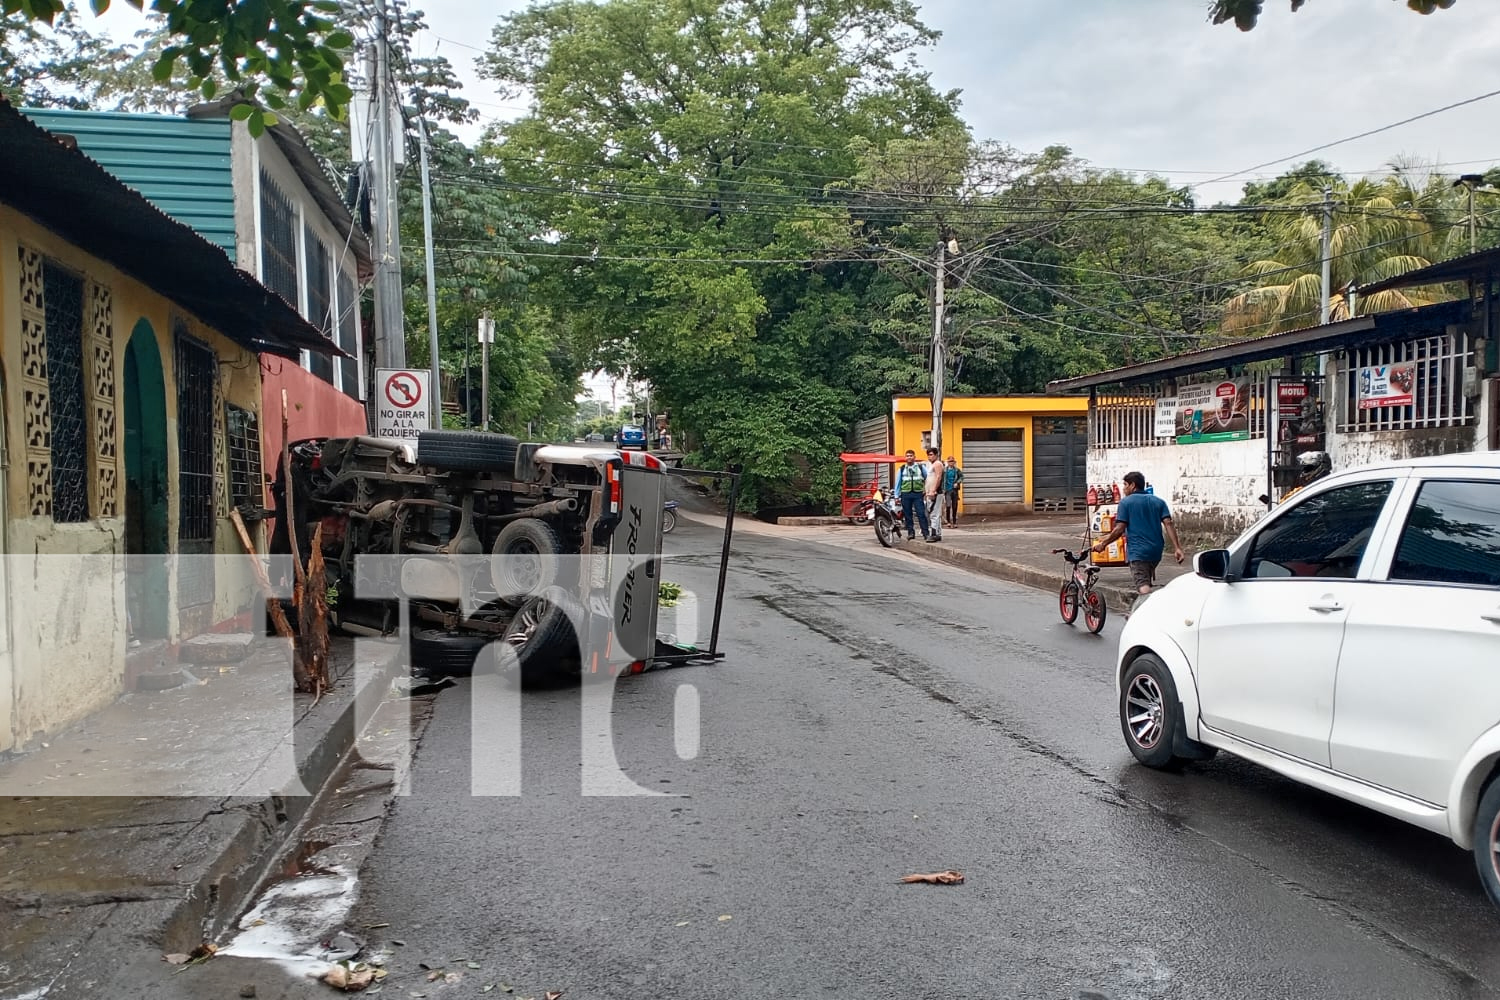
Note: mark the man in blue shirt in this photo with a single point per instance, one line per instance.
(1142, 518)
(911, 484)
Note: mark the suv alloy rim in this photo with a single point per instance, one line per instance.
(1145, 708)
(1495, 846)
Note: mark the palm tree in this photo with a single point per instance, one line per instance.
(1378, 232)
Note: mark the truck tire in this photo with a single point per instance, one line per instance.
(436, 654)
(543, 638)
(468, 451)
(525, 562)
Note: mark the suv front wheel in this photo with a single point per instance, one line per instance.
(1151, 716)
(1487, 840)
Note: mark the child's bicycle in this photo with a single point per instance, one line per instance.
(1078, 589)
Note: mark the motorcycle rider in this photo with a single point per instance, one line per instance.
(911, 487)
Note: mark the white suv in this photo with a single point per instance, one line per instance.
(1350, 641)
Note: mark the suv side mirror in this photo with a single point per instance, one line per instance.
(1213, 564)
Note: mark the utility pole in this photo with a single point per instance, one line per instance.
(486, 334)
(435, 380)
(939, 345)
(939, 279)
(390, 326)
(1328, 254)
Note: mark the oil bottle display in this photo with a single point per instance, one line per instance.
(1103, 503)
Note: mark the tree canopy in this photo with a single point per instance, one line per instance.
(294, 45)
(1246, 13)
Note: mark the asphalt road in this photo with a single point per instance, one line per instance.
(878, 716)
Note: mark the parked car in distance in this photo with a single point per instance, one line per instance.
(632, 438)
(1350, 640)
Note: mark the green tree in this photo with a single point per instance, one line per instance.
(679, 153)
(1246, 13)
(1379, 231)
(295, 45)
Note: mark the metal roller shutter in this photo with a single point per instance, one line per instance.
(873, 438)
(994, 471)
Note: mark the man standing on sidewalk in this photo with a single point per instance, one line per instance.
(911, 481)
(937, 474)
(952, 480)
(1142, 518)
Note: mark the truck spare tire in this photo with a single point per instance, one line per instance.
(525, 562)
(468, 451)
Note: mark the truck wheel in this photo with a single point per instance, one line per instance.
(468, 451)
(525, 562)
(542, 637)
(436, 653)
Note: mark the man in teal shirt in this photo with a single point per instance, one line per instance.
(911, 483)
(1142, 518)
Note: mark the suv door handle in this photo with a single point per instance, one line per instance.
(1328, 605)
(1493, 619)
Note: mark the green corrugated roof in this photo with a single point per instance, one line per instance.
(180, 165)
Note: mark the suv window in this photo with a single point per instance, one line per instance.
(1452, 535)
(1323, 536)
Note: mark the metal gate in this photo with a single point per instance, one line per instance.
(1059, 463)
(994, 464)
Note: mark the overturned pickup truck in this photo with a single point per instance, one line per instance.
(494, 538)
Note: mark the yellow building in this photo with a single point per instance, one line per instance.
(1018, 453)
(130, 373)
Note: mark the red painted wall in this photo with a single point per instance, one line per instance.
(313, 408)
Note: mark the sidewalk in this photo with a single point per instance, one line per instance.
(1018, 549)
(148, 825)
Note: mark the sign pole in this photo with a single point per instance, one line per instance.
(486, 334)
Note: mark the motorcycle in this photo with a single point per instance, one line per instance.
(668, 516)
(881, 510)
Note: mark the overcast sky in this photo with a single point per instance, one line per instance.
(1151, 85)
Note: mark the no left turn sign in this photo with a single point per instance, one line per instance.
(403, 390)
(404, 407)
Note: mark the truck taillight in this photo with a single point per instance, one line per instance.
(612, 473)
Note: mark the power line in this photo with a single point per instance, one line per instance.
(1361, 135)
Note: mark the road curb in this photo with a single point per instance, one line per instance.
(256, 834)
(821, 521)
(1115, 597)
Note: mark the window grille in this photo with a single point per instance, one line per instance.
(1127, 417)
(319, 300)
(278, 241)
(1437, 389)
(197, 370)
(63, 294)
(246, 485)
(348, 327)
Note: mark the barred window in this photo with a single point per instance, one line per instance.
(278, 240)
(1406, 386)
(319, 300)
(63, 294)
(246, 488)
(348, 327)
(197, 368)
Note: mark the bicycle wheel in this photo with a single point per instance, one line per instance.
(668, 521)
(1094, 611)
(1067, 602)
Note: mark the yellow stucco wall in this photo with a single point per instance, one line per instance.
(912, 417)
(63, 645)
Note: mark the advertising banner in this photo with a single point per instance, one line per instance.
(1166, 417)
(1386, 385)
(1299, 416)
(1213, 411)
